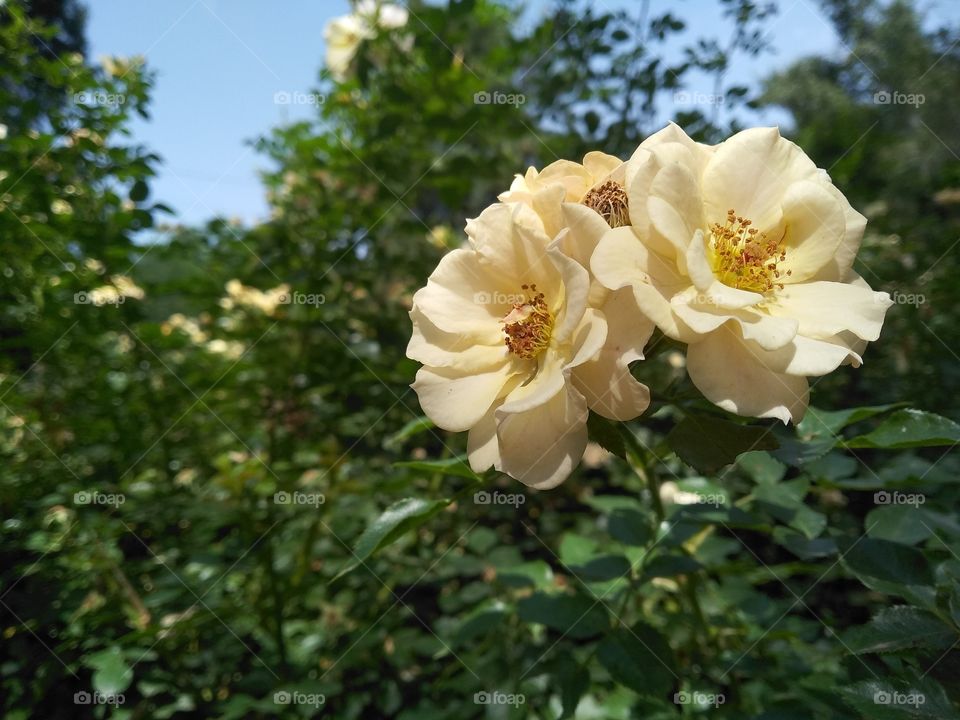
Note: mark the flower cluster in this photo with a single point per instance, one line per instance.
(743, 251)
(345, 34)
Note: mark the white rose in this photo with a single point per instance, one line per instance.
(744, 251)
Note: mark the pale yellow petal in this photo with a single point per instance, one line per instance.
(542, 446)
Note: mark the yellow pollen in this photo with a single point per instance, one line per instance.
(528, 325)
(610, 201)
(744, 257)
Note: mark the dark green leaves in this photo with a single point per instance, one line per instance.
(709, 444)
(451, 466)
(399, 518)
(889, 561)
(111, 673)
(899, 628)
(606, 434)
(575, 616)
(910, 428)
(639, 658)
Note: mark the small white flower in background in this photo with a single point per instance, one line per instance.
(120, 288)
(265, 301)
(744, 251)
(60, 207)
(505, 331)
(3, 131)
(189, 326)
(344, 35)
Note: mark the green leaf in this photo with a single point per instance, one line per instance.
(599, 569)
(709, 444)
(575, 616)
(904, 524)
(670, 566)
(606, 435)
(111, 673)
(638, 658)
(414, 427)
(139, 191)
(827, 423)
(881, 699)
(887, 561)
(451, 466)
(535, 573)
(572, 680)
(629, 526)
(910, 428)
(401, 517)
(803, 547)
(899, 628)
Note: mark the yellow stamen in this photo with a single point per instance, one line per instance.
(744, 257)
(529, 325)
(610, 201)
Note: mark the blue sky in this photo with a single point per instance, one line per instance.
(220, 62)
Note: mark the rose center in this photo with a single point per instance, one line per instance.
(745, 258)
(610, 201)
(528, 325)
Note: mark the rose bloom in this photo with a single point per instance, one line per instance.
(578, 204)
(343, 35)
(744, 251)
(513, 350)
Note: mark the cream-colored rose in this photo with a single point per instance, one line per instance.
(578, 204)
(507, 336)
(344, 35)
(744, 251)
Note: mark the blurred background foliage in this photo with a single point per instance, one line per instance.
(157, 396)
